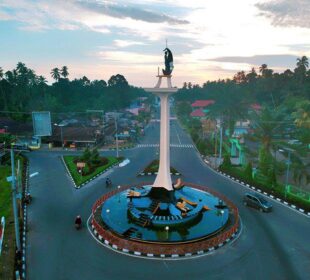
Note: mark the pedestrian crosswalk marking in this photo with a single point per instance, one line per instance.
(171, 145)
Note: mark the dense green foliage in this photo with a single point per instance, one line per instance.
(21, 90)
(284, 97)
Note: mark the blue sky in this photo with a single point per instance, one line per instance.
(99, 38)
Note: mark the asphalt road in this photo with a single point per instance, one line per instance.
(271, 246)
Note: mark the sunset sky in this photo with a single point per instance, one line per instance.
(210, 39)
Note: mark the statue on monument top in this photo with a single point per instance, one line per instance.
(168, 62)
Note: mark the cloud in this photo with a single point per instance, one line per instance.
(113, 9)
(275, 60)
(127, 43)
(287, 13)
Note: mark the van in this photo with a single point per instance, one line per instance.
(257, 201)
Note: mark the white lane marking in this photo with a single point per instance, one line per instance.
(177, 135)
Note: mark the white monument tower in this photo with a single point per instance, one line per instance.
(163, 179)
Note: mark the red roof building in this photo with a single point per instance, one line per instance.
(256, 107)
(202, 103)
(198, 113)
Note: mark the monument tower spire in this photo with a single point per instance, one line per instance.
(163, 179)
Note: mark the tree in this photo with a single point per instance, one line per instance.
(118, 81)
(301, 69)
(265, 160)
(4, 99)
(86, 156)
(301, 174)
(266, 123)
(265, 72)
(55, 73)
(95, 157)
(248, 171)
(64, 72)
(226, 161)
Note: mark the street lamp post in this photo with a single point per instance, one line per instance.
(222, 214)
(17, 236)
(167, 230)
(116, 135)
(287, 170)
(119, 194)
(61, 133)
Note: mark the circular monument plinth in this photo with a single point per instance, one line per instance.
(142, 220)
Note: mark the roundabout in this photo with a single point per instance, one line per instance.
(122, 223)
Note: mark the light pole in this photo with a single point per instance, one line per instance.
(17, 236)
(288, 162)
(116, 135)
(221, 143)
(222, 214)
(167, 230)
(119, 194)
(61, 133)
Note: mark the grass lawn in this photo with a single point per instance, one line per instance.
(7, 258)
(77, 177)
(154, 165)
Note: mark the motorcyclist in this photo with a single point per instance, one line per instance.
(78, 222)
(108, 182)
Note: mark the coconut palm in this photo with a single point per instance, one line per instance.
(303, 62)
(64, 72)
(2, 91)
(266, 123)
(55, 74)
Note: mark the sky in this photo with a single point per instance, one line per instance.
(209, 39)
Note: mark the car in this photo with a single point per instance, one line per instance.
(257, 201)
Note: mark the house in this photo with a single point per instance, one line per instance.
(200, 109)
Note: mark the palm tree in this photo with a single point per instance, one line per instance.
(265, 71)
(2, 91)
(55, 74)
(302, 62)
(266, 123)
(301, 69)
(64, 72)
(41, 80)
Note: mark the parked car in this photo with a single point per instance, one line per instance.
(257, 201)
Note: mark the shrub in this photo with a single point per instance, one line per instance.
(226, 162)
(248, 171)
(104, 161)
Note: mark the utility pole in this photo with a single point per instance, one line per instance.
(116, 135)
(17, 236)
(221, 142)
(287, 170)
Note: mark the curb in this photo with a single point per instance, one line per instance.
(125, 251)
(24, 230)
(106, 237)
(155, 173)
(91, 179)
(282, 201)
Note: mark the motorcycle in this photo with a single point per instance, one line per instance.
(108, 182)
(78, 222)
